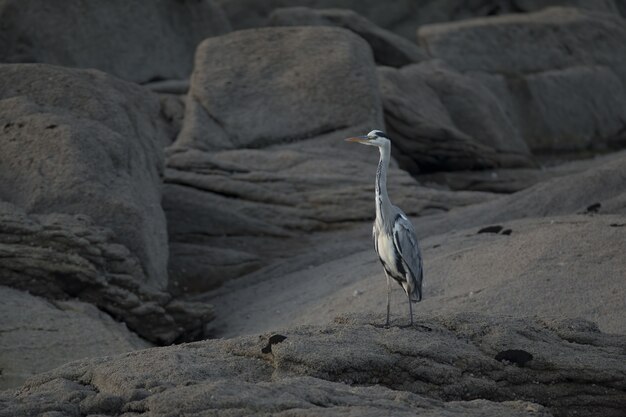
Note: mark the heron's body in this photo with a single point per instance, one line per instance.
(394, 237)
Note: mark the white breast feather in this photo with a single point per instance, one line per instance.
(386, 251)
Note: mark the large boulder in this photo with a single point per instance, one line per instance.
(82, 142)
(38, 335)
(439, 119)
(261, 87)
(465, 364)
(560, 73)
(137, 41)
(388, 48)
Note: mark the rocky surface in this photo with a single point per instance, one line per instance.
(83, 142)
(38, 335)
(405, 16)
(516, 179)
(61, 256)
(440, 120)
(556, 72)
(260, 87)
(264, 204)
(268, 234)
(388, 48)
(241, 178)
(439, 366)
(599, 189)
(135, 41)
(516, 270)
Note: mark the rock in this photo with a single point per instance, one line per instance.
(509, 180)
(38, 335)
(439, 119)
(173, 112)
(604, 183)
(572, 109)
(241, 178)
(388, 48)
(175, 87)
(352, 366)
(135, 41)
(262, 87)
(61, 256)
(82, 142)
(267, 203)
(196, 268)
(517, 44)
(404, 16)
(514, 272)
(556, 72)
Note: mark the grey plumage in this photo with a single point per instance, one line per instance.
(394, 236)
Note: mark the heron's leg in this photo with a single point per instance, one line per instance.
(388, 297)
(410, 310)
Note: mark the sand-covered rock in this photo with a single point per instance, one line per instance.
(38, 335)
(438, 367)
(83, 142)
(136, 41)
(388, 48)
(441, 120)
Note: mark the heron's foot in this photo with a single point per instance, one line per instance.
(386, 325)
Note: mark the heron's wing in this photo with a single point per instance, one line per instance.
(406, 244)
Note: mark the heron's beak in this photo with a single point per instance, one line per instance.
(359, 139)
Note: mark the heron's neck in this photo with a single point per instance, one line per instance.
(382, 198)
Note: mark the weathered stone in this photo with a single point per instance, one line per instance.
(512, 180)
(136, 41)
(262, 87)
(388, 48)
(351, 366)
(38, 335)
(604, 183)
(556, 72)
(555, 38)
(573, 109)
(439, 119)
(61, 256)
(82, 142)
(255, 201)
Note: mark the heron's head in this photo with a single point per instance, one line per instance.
(374, 138)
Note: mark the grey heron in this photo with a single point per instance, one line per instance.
(394, 236)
